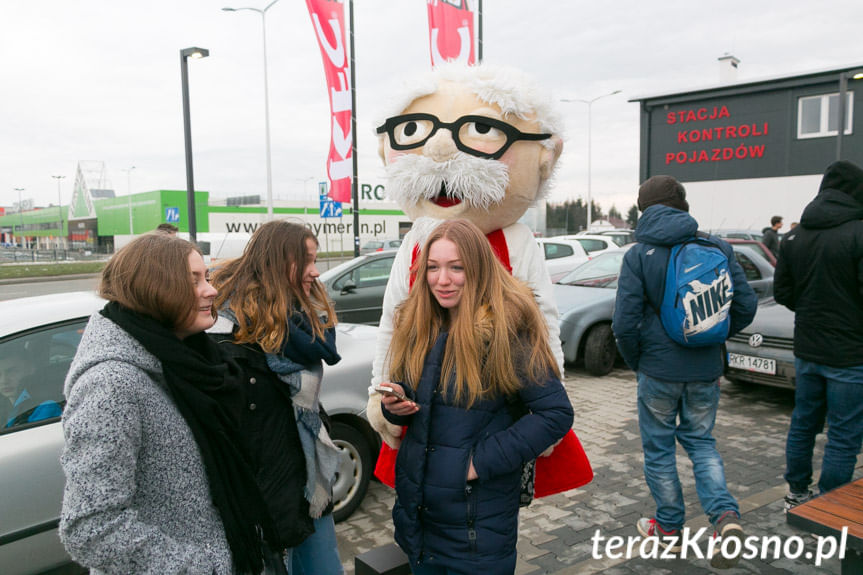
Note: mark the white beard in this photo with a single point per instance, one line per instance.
(477, 182)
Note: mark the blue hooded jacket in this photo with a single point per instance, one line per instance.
(643, 342)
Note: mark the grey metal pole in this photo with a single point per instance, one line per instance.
(60, 206)
(479, 34)
(187, 130)
(267, 117)
(589, 162)
(20, 215)
(355, 194)
(840, 131)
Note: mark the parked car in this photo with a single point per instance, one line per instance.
(738, 234)
(763, 352)
(585, 302)
(620, 236)
(379, 245)
(357, 286)
(593, 244)
(31, 480)
(759, 271)
(562, 256)
(756, 245)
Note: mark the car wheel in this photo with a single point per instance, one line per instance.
(353, 472)
(600, 350)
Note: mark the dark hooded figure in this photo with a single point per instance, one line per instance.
(820, 277)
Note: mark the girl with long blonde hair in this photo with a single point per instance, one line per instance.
(468, 343)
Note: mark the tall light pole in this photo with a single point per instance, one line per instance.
(263, 13)
(305, 197)
(59, 206)
(20, 214)
(185, 54)
(589, 143)
(129, 196)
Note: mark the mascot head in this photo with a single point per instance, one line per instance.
(477, 142)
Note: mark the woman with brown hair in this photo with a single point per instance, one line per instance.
(468, 343)
(156, 481)
(278, 324)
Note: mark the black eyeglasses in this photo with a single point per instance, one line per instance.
(475, 135)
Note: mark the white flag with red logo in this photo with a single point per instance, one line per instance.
(328, 19)
(451, 31)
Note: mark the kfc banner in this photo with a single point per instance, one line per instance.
(328, 19)
(451, 31)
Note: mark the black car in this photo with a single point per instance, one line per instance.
(357, 286)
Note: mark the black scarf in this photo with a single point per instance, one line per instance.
(206, 390)
(303, 347)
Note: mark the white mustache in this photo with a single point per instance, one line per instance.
(478, 182)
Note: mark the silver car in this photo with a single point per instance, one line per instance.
(585, 302)
(763, 352)
(49, 329)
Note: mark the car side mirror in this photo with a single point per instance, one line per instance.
(349, 287)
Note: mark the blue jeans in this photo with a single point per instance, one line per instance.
(318, 554)
(660, 404)
(834, 394)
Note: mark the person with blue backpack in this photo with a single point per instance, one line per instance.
(680, 295)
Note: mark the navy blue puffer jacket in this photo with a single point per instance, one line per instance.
(442, 519)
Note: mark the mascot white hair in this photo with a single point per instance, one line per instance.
(479, 143)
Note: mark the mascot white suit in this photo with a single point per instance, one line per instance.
(479, 143)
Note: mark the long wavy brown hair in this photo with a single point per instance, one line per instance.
(264, 286)
(497, 340)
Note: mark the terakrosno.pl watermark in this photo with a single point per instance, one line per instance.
(763, 547)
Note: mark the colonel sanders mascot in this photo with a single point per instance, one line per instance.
(478, 143)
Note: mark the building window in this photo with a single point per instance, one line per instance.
(818, 116)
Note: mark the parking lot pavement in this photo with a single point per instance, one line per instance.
(555, 532)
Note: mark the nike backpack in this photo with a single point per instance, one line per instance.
(697, 295)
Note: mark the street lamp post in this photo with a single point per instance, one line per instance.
(129, 197)
(60, 208)
(20, 214)
(305, 196)
(589, 144)
(185, 54)
(263, 13)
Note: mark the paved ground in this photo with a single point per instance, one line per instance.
(555, 532)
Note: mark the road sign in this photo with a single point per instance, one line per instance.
(331, 209)
(172, 215)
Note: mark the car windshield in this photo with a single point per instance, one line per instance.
(601, 271)
(333, 272)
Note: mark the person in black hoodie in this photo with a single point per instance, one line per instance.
(770, 235)
(819, 276)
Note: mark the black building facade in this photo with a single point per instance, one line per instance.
(748, 150)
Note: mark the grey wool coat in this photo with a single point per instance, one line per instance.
(137, 499)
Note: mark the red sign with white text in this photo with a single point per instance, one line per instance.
(451, 31)
(328, 19)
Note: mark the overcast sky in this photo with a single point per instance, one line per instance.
(99, 80)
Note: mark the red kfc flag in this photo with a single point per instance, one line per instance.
(451, 31)
(328, 19)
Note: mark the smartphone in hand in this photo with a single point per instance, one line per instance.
(390, 391)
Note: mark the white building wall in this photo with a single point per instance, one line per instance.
(749, 204)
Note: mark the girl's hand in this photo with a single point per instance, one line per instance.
(394, 404)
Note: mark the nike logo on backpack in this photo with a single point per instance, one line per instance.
(689, 269)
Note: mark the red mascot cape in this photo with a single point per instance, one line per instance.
(566, 468)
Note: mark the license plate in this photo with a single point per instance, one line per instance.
(752, 363)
